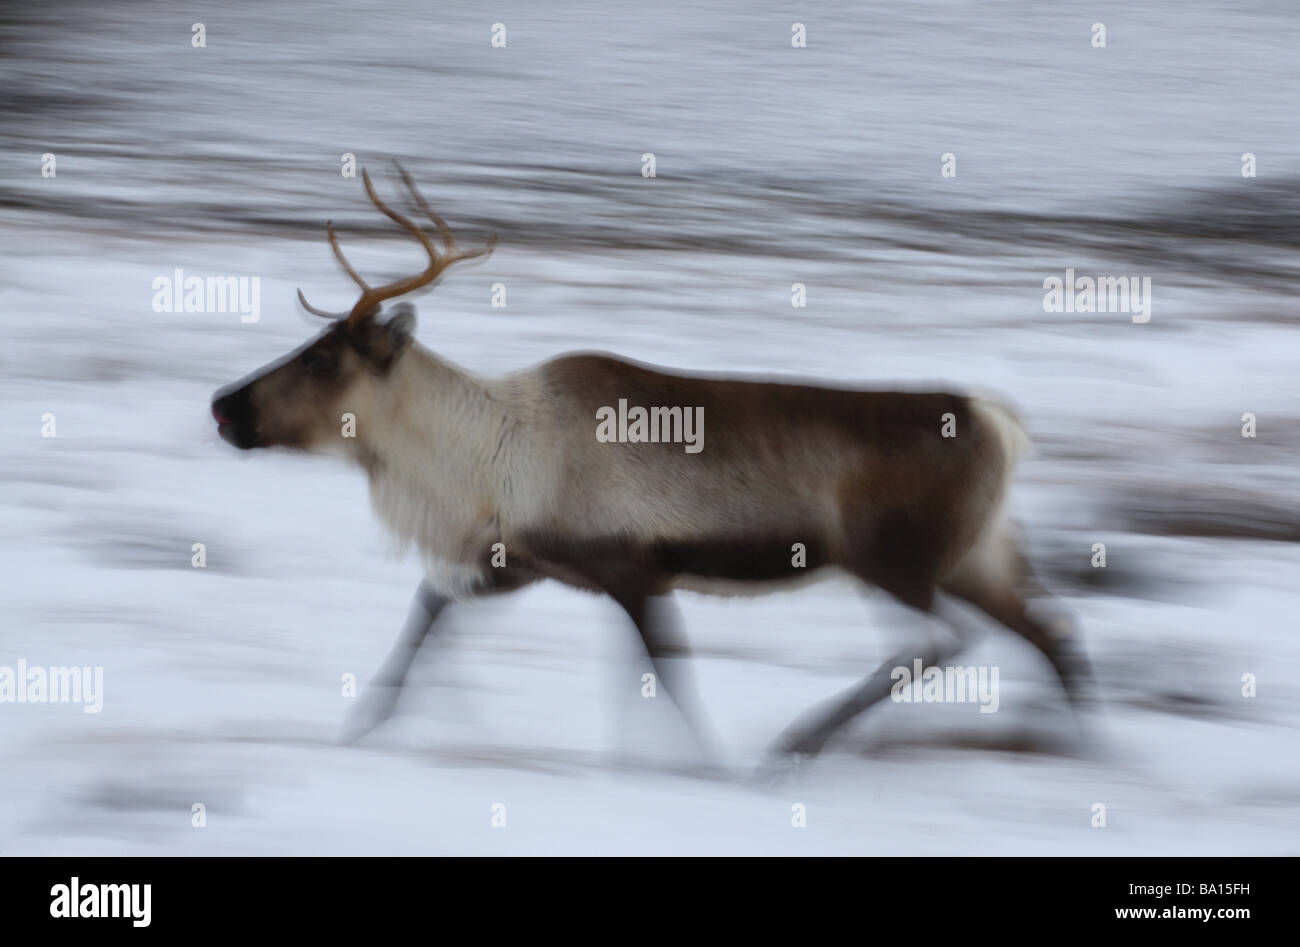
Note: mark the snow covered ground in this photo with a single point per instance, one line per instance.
(222, 685)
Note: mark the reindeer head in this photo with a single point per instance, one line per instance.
(298, 401)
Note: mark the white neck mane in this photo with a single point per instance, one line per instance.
(432, 447)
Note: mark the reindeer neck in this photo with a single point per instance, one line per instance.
(428, 416)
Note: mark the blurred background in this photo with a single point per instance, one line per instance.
(774, 165)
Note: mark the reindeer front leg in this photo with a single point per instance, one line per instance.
(379, 699)
(656, 620)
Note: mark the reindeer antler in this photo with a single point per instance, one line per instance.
(371, 296)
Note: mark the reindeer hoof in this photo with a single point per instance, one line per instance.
(782, 762)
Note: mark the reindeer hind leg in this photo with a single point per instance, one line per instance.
(998, 580)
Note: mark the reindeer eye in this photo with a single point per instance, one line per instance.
(319, 364)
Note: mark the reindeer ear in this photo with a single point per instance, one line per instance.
(400, 326)
(383, 342)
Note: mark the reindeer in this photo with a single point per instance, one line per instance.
(793, 481)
